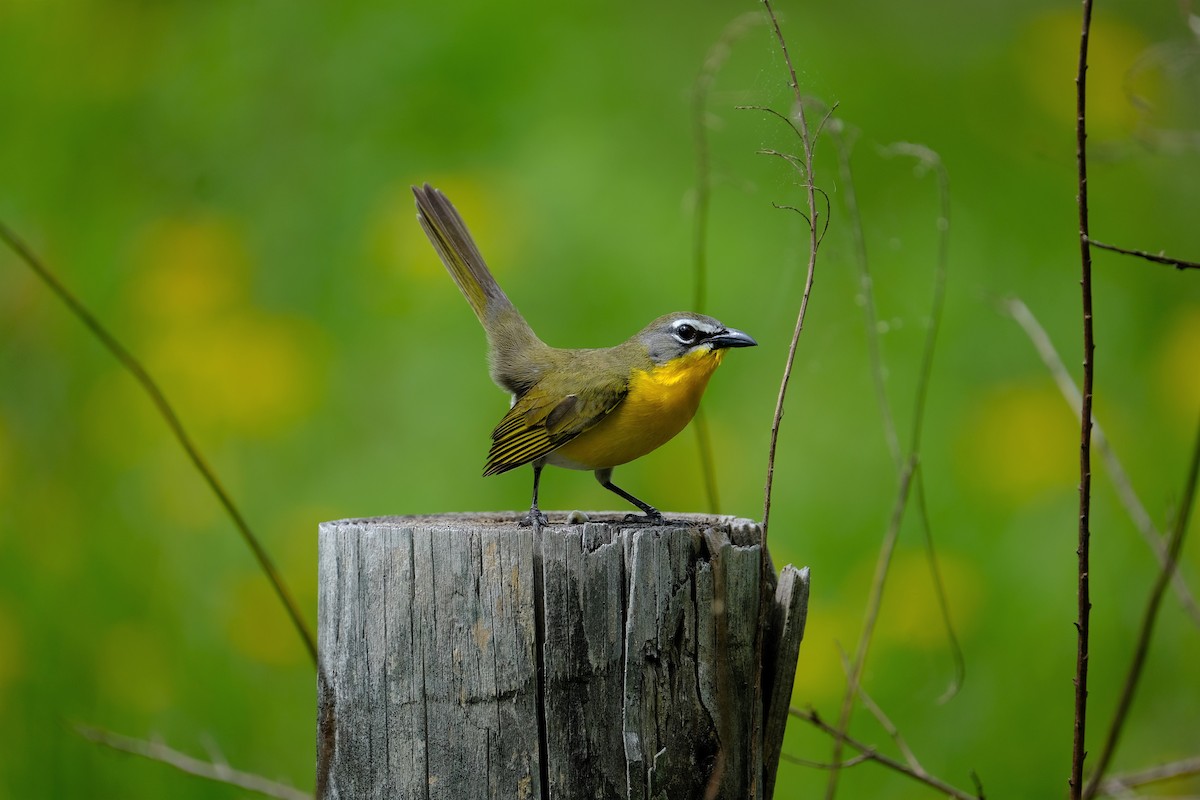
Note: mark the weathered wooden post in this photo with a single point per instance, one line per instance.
(464, 657)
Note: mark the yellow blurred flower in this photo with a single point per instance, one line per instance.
(247, 372)
(820, 678)
(1020, 441)
(190, 268)
(226, 364)
(911, 615)
(1177, 366)
(1048, 52)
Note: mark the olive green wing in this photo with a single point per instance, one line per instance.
(542, 420)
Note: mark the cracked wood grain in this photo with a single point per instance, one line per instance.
(464, 657)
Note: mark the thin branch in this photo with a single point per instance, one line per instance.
(1117, 784)
(908, 474)
(825, 120)
(768, 110)
(874, 603)
(1157, 258)
(219, 772)
(843, 144)
(792, 159)
(861, 758)
(931, 159)
(927, 158)
(139, 373)
(1157, 540)
(883, 719)
(939, 588)
(1146, 631)
(786, 207)
(870, 753)
(1083, 591)
(806, 144)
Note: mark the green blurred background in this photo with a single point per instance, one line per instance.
(227, 185)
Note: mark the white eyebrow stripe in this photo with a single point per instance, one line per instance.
(697, 324)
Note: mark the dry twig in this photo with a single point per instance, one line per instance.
(219, 772)
(1083, 590)
(1146, 629)
(870, 754)
(1157, 258)
(909, 473)
(883, 719)
(874, 603)
(1017, 309)
(800, 126)
(148, 384)
(1121, 784)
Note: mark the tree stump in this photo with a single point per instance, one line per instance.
(462, 656)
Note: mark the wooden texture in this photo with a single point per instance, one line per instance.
(464, 657)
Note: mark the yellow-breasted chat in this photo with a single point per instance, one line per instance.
(592, 409)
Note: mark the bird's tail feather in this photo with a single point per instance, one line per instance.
(453, 243)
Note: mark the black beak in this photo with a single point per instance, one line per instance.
(731, 338)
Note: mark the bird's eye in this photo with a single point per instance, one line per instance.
(686, 333)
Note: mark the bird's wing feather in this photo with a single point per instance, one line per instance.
(542, 420)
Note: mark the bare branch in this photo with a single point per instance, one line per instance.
(939, 587)
(884, 720)
(219, 772)
(1146, 630)
(1157, 258)
(806, 143)
(788, 157)
(786, 207)
(928, 159)
(1020, 312)
(826, 118)
(774, 113)
(861, 758)
(871, 754)
(843, 143)
(908, 473)
(1118, 784)
(148, 384)
(874, 603)
(1083, 587)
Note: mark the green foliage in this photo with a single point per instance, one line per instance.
(226, 184)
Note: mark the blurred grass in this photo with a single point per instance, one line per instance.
(226, 185)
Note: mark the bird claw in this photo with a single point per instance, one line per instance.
(535, 519)
(653, 518)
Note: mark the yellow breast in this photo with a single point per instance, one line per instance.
(660, 403)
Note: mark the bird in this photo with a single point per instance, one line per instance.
(585, 409)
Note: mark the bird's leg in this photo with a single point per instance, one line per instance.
(652, 517)
(535, 517)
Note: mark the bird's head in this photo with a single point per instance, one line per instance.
(683, 333)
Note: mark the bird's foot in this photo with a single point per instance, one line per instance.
(651, 517)
(535, 519)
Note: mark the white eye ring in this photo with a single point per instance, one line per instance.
(686, 332)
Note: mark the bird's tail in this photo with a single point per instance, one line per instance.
(453, 242)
